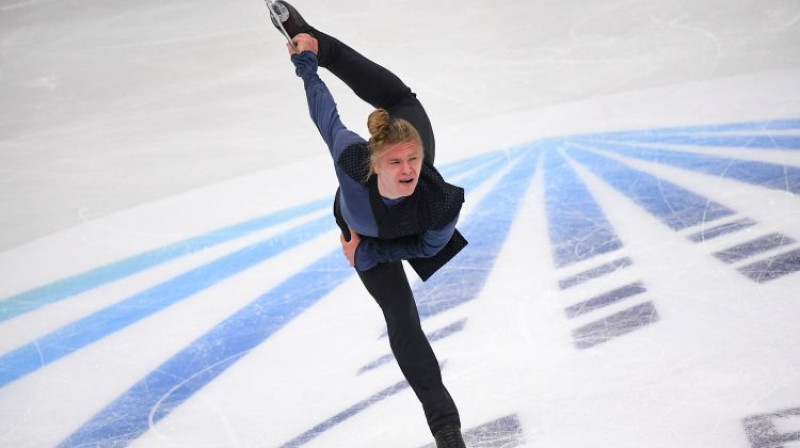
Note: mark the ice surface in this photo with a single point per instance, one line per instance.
(171, 277)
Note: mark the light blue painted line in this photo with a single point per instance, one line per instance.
(175, 381)
(464, 166)
(783, 142)
(128, 417)
(673, 205)
(68, 287)
(77, 335)
(486, 229)
(578, 228)
(65, 288)
(762, 174)
(753, 126)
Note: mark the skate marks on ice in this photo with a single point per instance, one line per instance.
(505, 432)
(776, 430)
(580, 231)
(585, 248)
(486, 227)
(760, 148)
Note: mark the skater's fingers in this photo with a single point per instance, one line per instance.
(306, 42)
(349, 247)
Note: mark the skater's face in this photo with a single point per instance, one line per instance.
(398, 169)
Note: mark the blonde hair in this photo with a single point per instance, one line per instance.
(385, 130)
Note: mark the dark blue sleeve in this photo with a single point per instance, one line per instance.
(322, 106)
(371, 251)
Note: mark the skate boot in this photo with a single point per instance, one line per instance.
(449, 437)
(291, 20)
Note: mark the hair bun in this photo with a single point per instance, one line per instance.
(378, 125)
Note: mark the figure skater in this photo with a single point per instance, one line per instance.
(391, 205)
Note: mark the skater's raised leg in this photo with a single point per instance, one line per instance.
(371, 82)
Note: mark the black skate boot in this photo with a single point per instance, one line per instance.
(291, 20)
(449, 437)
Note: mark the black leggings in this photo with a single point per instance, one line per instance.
(377, 86)
(387, 282)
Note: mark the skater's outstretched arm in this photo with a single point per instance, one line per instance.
(321, 105)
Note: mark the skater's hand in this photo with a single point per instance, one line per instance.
(304, 42)
(349, 247)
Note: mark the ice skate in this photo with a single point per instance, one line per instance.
(449, 437)
(286, 18)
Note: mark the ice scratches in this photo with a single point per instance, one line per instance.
(605, 299)
(773, 267)
(357, 408)
(575, 218)
(437, 335)
(682, 209)
(615, 325)
(765, 430)
(722, 229)
(505, 432)
(590, 274)
(753, 247)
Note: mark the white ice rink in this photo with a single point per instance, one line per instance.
(170, 274)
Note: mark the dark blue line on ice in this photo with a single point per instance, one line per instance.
(767, 175)
(577, 226)
(773, 267)
(62, 289)
(753, 247)
(172, 383)
(195, 366)
(593, 273)
(615, 325)
(79, 334)
(673, 205)
(505, 432)
(605, 299)
(486, 229)
(720, 230)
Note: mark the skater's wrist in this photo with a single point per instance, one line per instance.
(305, 63)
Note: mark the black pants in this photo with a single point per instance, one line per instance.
(377, 86)
(387, 282)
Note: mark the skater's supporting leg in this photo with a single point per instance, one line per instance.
(388, 284)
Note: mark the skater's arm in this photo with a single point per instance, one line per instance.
(322, 107)
(371, 251)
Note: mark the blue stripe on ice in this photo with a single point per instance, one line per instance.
(79, 334)
(676, 207)
(62, 289)
(768, 175)
(172, 383)
(577, 226)
(33, 299)
(187, 372)
(782, 142)
(486, 230)
(703, 129)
